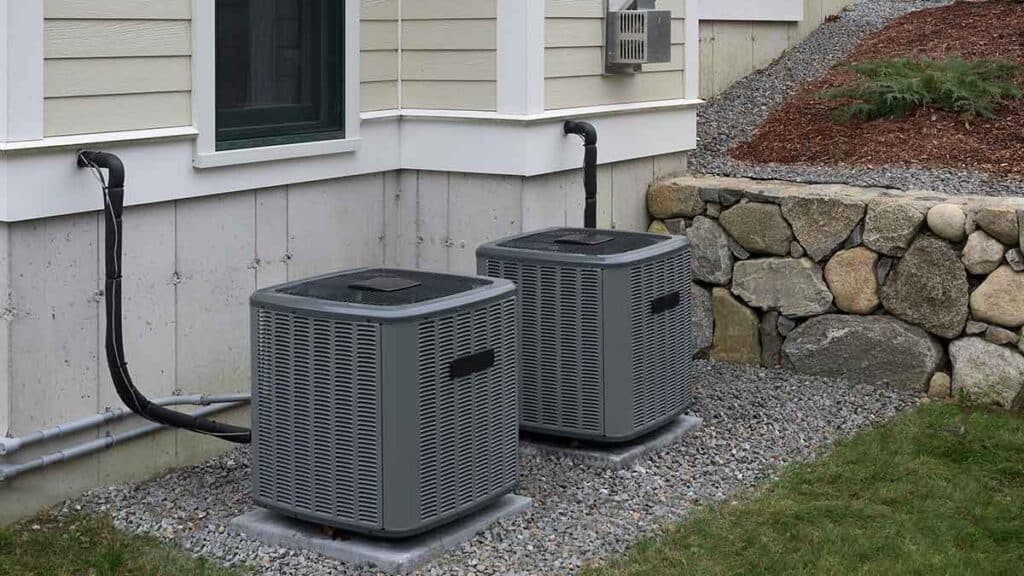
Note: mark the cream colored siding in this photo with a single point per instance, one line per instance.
(449, 54)
(116, 65)
(574, 59)
(730, 50)
(379, 57)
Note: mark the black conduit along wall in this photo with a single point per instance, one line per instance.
(113, 199)
(588, 133)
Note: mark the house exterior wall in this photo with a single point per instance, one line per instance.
(449, 54)
(574, 59)
(732, 49)
(379, 55)
(116, 65)
(186, 306)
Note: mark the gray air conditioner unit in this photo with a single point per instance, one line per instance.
(384, 401)
(606, 343)
(637, 35)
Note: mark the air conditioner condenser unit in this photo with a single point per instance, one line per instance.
(606, 344)
(384, 400)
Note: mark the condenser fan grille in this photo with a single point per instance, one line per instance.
(385, 287)
(585, 242)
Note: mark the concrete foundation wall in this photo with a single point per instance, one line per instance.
(730, 50)
(190, 267)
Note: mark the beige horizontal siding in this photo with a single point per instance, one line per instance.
(115, 65)
(90, 114)
(379, 58)
(116, 38)
(451, 95)
(119, 9)
(449, 54)
(574, 59)
(97, 76)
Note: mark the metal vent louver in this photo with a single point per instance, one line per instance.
(433, 371)
(606, 344)
(636, 36)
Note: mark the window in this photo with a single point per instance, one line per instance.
(279, 72)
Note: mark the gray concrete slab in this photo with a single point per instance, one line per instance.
(612, 455)
(391, 556)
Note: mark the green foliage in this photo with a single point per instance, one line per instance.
(936, 491)
(90, 545)
(895, 88)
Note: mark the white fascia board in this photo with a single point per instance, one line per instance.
(520, 56)
(752, 10)
(45, 181)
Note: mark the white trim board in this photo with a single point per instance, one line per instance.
(521, 56)
(21, 26)
(46, 182)
(752, 10)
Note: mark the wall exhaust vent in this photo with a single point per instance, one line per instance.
(636, 35)
(384, 400)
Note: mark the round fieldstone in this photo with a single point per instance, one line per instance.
(1000, 223)
(850, 275)
(890, 225)
(658, 227)
(1015, 258)
(928, 288)
(793, 286)
(710, 256)
(940, 386)
(737, 336)
(1000, 298)
(1000, 336)
(987, 373)
(759, 228)
(674, 199)
(822, 224)
(947, 221)
(982, 253)
(703, 317)
(865, 350)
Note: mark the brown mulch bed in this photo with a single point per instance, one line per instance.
(802, 130)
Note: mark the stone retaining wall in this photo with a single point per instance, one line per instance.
(873, 285)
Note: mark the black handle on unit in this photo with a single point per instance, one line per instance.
(665, 303)
(468, 365)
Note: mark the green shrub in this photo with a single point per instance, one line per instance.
(895, 88)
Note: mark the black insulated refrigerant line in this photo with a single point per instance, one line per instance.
(588, 133)
(113, 199)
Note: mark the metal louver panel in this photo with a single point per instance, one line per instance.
(561, 384)
(317, 393)
(468, 431)
(661, 342)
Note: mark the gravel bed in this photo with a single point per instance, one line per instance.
(755, 420)
(731, 117)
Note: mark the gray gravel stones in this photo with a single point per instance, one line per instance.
(730, 118)
(755, 421)
(865, 349)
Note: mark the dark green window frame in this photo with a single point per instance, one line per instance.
(322, 118)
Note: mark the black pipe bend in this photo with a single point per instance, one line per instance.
(113, 196)
(588, 133)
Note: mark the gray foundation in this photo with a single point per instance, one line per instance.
(615, 455)
(391, 556)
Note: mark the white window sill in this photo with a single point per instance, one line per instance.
(273, 153)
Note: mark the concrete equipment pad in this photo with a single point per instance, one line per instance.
(391, 556)
(612, 455)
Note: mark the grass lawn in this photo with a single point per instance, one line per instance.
(91, 546)
(936, 491)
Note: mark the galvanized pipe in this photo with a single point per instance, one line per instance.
(11, 445)
(11, 471)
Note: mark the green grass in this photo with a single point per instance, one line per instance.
(897, 87)
(936, 491)
(89, 545)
